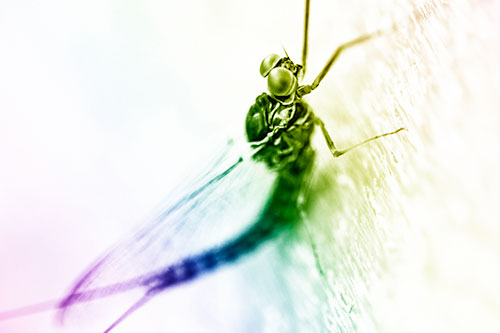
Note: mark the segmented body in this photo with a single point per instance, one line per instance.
(284, 131)
(280, 133)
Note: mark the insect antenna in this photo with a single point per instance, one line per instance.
(306, 33)
(284, 50)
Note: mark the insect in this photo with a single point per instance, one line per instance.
(279, 127)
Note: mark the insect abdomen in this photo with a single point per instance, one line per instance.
(280, 212)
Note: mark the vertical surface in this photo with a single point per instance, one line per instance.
(406, 229)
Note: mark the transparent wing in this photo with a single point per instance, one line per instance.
(216, 207)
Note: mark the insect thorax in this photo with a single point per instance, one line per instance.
(284, 130)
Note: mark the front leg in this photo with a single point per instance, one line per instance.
(331, 146)
(328, 139)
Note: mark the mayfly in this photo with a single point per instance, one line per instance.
(279, 127)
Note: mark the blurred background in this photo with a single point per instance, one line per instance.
(104, 105)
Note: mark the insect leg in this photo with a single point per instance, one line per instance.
(302, 206)
(314, 249)
(306, 33)
(417, 14)
(335, 152)
(306, 89)
(337, 52)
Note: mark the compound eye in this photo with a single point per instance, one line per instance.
(281, 82)
(268, 64)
